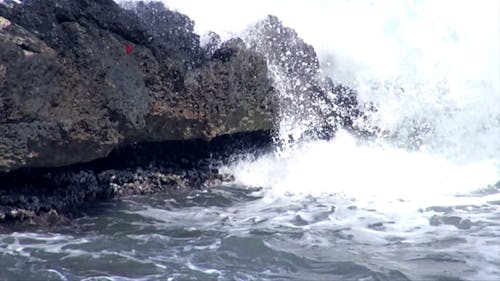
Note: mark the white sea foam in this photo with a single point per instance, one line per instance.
(432, 68)
(342, 166)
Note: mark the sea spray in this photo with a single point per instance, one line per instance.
(431, 177)
(431, 69)
(411, 205)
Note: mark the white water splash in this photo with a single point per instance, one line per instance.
(341, 166)
(420, 62)
(432, 68)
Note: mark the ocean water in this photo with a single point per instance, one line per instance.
(419, 202)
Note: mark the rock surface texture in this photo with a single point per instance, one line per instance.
(306, 98)
(79, 78)
(99, 101)
(47, 196)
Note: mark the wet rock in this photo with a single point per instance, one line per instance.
(439, 209)
(211, 44)
(170, 33)
(465, 224)
(456, 221)
(79, 78)
(47, 196)
(90, 92)
(299, 221)
(435, 220)
(346, 111)
(294, 66)
(307, 98)
(379, 226)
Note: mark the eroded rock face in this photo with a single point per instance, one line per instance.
(48, 196)
(306, 97)
(80, 77)
(84, 79)
(294, 67)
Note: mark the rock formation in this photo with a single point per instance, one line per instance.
(307, 99)
(78, 78)
(98, 100)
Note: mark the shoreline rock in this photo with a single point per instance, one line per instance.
(307, 99)
(48, 196)
(99, 101)
(71, 90)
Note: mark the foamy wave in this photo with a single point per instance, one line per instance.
(342, 166)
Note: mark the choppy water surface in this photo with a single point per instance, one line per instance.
(237, 233)
(423, 204)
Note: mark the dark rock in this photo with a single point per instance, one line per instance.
(439, 209)
(285, 50)
(435, 220)
(71, 91)
(306, 97)
(379, 226)
(294, 66)
(79, 78)
(456, 221)
(170, 33)
(346, 111)
(212, 43)
(46, 196)
(299, 221)
(99, 101)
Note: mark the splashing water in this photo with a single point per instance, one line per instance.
(422, 200)
(433, 72)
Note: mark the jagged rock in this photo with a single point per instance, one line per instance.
(78, 78)
(82, 80)
(211, 43)
(285, 50)
(307, 98)
(45, 196)
(294, 66)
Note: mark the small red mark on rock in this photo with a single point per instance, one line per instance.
(128, 48)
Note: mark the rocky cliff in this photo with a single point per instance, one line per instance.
(78, 78)
(99, 101)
